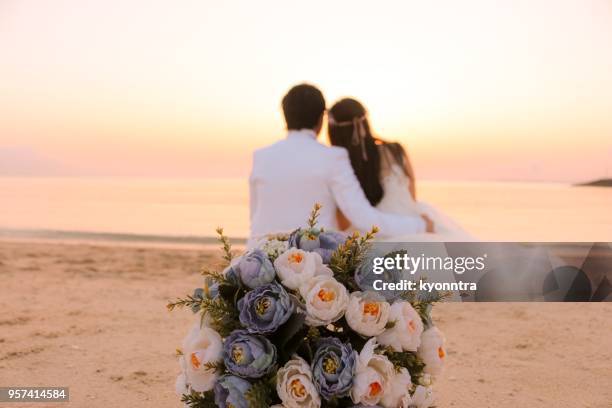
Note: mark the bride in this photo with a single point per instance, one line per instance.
(383, 170)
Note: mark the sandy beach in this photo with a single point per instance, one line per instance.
(93, 318)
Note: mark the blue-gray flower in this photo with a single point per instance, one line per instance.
(315, 240)
(209, 290)
(232, 273)
(256, 269)
(265, 309)
(365, 277)
(230, 392)
(248, 355)
(333, 367)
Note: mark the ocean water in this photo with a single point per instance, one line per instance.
(190, 210)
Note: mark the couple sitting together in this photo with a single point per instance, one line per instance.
(360, 180)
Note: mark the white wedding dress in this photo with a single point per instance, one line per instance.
(398, 200)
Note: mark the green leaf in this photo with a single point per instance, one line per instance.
(406, 359)
(223, 315)
(199, 399)
(216, 366)
(290, 336)
(390, 324)
(259, 395)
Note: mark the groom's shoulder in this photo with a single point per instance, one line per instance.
(281, 146)
(269, 150)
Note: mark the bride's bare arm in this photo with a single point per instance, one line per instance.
(343, 222)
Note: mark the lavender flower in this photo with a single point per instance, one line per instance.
(265, 309)
(256, 269)
(230, 392)
(248, 355)
(315, 240)
(333, 367)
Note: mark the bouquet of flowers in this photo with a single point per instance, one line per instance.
(293, 323)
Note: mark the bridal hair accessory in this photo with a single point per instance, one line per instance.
(359, 131)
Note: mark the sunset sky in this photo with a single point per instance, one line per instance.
(475, 90)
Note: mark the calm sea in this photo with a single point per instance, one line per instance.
(153, 210)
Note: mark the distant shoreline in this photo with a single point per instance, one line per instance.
(114, 238)
(596, 183)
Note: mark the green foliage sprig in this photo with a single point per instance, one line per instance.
(216, 277)
(314, 215)
(199, 399)
(349, 255)
(188, 301)
(260, 393)
(313, 334)
(406, 359)
(221, 311)
(216, 366)
(223, 315)
(226, 246)
(390, 324)
(424, 304)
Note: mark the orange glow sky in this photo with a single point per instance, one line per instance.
(480, 90)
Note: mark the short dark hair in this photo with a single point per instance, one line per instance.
(303, 106)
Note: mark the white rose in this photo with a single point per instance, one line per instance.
(405, 335)
(295, 387)
(432, 351)
(367, 313)
(296, 267)
(400, 385)
(422, 398)
(202, 345)
(373, 376)
(181, 385)
(326, 300)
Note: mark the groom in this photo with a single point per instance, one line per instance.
(291, 175)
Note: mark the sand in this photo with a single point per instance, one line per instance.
(93, 318)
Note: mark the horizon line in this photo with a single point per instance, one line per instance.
(245, 177)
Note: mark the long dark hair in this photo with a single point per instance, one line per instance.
(365, 155)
